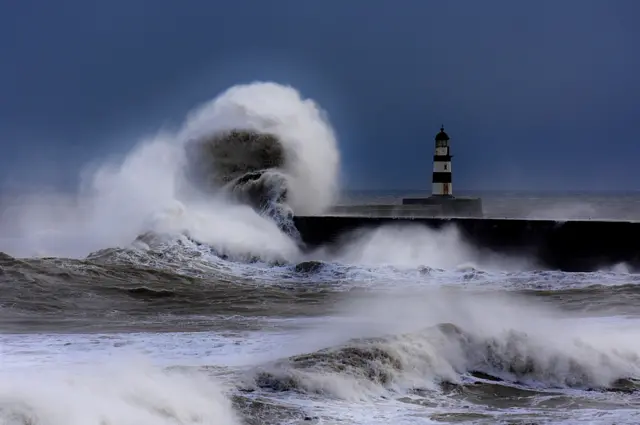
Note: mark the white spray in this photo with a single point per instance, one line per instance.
(119, 200)
(134, 394)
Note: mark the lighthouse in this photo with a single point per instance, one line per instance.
(441, 180)
(441, 202)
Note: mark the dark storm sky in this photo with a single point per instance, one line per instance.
(535, 94)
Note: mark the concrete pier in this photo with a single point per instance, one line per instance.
(568, 246)
(415, 207)
(449, 206)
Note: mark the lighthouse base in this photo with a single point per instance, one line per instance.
(432, 206)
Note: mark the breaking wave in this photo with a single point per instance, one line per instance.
(267, 147)
(255, 153)
(447, 354)
(435, 341)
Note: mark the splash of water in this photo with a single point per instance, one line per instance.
(412, 246)
(311, 157)
(148, 190)
(117, 394)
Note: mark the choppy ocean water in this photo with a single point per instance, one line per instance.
(115, 340)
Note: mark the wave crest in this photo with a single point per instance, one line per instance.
(445, 355)
(266, 126)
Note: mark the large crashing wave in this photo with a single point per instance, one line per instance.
(263, 146)
(256, 147)
(266, 135)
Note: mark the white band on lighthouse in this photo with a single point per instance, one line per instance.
(442, 181)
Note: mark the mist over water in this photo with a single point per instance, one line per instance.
(177, 292)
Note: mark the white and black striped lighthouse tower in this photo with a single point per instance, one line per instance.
(441, 181)
(442, 202)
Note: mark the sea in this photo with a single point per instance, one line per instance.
(140, 301)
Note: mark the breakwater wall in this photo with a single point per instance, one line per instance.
(557, 245)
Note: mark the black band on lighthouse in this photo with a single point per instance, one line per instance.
(439, 177)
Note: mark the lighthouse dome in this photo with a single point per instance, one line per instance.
(442, 135)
